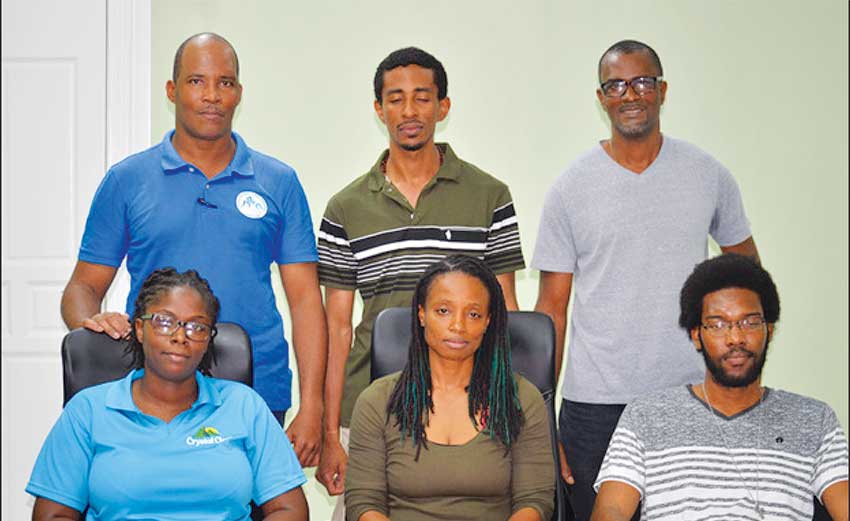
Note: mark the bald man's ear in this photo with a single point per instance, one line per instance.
(169, 90)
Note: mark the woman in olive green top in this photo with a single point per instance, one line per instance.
(456, 435)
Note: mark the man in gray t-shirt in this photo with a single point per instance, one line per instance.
(727, 448)
(624, 225)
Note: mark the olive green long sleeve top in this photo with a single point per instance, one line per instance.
(473, 481)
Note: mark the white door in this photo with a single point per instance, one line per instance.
(63, 119)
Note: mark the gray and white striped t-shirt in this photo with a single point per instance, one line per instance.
(781, 452)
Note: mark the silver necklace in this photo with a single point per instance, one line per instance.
(754, 499)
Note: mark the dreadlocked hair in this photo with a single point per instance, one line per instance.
(159, 283)
(492, 390)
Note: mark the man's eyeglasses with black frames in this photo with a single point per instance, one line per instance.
(642, 85)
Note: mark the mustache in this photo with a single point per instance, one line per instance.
(738, 351)
(629, 106)
(211, 110)
(410, 122)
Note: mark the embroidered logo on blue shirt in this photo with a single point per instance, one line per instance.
(206, 436)
(251, 205)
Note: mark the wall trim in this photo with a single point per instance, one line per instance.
(128, 99)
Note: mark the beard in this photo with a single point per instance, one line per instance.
(634, 130)
(720, 376)
(413, 147)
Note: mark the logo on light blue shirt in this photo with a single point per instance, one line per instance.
(251, 204)
(206, 436)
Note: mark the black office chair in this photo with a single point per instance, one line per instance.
(820, 512)
(532, 351)
(90, 358)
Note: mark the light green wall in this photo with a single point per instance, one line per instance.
(761, 85)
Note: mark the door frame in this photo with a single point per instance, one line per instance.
(128, 100)
(127, 126)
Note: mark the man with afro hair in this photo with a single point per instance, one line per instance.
(728, 448)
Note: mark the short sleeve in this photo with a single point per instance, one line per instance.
(503, 253)
(274, 464)
(61, 471)
(107, 235)
(296, 243)
(532, 463)
(729, 225)
(337, 264)
(625, 460)
(831, 457)
(366, 477)
(555, 249)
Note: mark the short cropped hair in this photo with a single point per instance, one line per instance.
(178, 56)
(629, 47)
(411, 56)
(729, 270)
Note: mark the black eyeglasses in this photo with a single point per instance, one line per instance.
(642, 85)
(719, 327)
(167, 325)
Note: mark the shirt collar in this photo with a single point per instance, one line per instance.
(241, 163)
(450, 169)
(120, 396)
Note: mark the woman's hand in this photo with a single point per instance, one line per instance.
(525, 514)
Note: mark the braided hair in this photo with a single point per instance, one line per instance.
(159, 283)
(492, 390)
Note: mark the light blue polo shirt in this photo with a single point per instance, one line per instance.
(207, 463)
(158, 211)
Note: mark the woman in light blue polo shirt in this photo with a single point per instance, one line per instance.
(167, 442)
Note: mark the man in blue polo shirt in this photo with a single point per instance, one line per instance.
(202, 199)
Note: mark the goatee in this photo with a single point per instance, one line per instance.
(719, 375)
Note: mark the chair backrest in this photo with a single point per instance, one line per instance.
(820, 512)
(90, 358)
(532, 352)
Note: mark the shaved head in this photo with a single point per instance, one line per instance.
(629, 47)
(200, 39)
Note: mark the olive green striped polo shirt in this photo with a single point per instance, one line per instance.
(372, 240)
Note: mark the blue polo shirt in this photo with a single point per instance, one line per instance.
(158, 210)
(207, 463)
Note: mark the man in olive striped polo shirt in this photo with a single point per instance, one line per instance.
(418, 204)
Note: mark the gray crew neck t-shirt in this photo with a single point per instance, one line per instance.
(630, 241)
